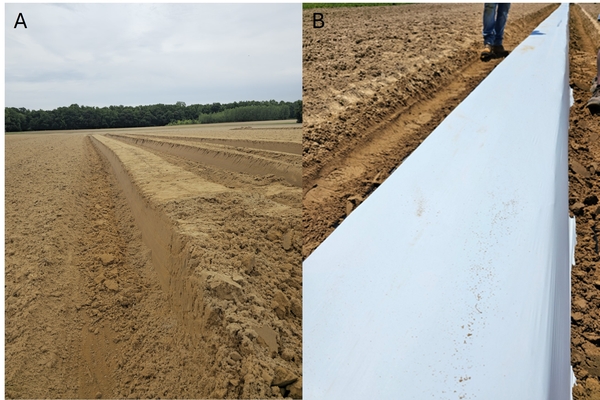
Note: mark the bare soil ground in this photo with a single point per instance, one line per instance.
(584, 190)
(378, 80)
(134, 272)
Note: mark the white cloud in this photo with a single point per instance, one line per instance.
(131, 54)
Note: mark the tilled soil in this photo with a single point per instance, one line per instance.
(101, 304)
(584, 190)
(377, 81)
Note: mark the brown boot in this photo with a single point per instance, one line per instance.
(499, 51)
(487, 53)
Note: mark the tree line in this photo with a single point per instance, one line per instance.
(84, 117)
(247, 113)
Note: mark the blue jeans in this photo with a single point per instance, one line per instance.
(494, 19)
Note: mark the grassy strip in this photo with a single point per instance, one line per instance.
(308, 6)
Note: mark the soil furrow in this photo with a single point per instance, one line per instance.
(229, 159)
(208, 289)
(281, 147)
(269, 186)
(225, 145)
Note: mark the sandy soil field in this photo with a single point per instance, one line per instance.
(378, 80)
(584, 187)
(154, 263)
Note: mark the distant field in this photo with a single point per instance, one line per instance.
(308, 6)
(228, 126)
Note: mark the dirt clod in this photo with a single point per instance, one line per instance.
(578, 208)
(286, 240)
(267, 337)
(295, 389)
(107, 259)
(283, 377)
(579, 169)
(280, 304)
(248, 263)
(111, 285)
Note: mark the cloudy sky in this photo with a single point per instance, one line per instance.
(137, 54)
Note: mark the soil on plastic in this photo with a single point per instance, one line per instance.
(584, 194)
(87, 314)
(377, 81)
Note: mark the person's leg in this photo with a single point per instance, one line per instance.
(501, 18)
(489, 21)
